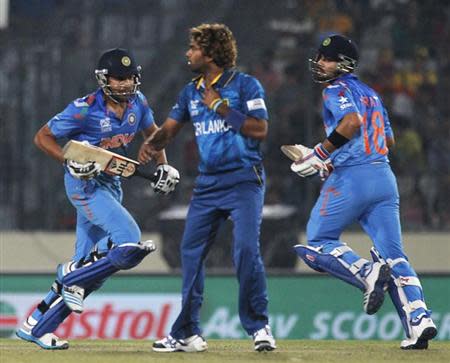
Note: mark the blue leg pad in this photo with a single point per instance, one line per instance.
(88, 276)
(122, 257)
(129, 255)
(52, 318)
(324, 262)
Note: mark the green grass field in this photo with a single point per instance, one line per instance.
(114, 351)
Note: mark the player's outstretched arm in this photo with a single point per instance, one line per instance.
(46, 141)
(143, 156)
(159, 140)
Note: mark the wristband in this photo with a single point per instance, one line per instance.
(337, 139)
(214, 102)
(217, 105)
(235, 119)
(321, 152)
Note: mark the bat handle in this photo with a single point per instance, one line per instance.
(145, 175)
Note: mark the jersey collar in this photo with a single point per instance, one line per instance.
(345, 77)
(221, 80)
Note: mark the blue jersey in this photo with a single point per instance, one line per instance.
(220, 147)
(88, 119)
(347, 95)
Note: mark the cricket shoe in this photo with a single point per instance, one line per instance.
(264, 340)
(194, 343)
(47, 341)
(376, 282)
(422, 330)
(73, 297)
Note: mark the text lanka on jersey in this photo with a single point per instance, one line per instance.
(217, 126)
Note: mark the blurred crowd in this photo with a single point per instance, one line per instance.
(404, 55)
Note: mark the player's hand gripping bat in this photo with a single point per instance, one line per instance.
(297, 153)
(294, 152)
(111, 163)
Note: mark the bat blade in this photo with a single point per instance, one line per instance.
(293, 152)
(110, 162)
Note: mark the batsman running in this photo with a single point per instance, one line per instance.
(361, 188)
(229, 116)
(108, 239)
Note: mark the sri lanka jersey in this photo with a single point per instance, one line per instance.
(220, 147)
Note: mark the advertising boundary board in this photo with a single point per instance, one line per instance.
(144, 306)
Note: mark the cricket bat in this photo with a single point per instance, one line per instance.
(293, 152)
(111, 163)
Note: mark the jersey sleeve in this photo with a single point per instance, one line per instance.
(180, 111)
(339, 101)
(147, 113)
(252, 98)
(70, 121)
(387, 124)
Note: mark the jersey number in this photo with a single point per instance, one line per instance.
(377, 124)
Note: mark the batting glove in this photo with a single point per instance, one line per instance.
(167, 178)
(84, 171)
(313, 161)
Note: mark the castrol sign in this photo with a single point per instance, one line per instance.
(110, 316)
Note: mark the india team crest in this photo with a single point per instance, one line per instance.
(326, 42)
(126, 61)
(131, 118)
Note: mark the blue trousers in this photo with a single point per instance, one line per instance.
(367, 194)
(239, 195)
(100, 218)
(100, 215)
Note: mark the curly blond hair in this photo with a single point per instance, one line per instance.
(216, 41)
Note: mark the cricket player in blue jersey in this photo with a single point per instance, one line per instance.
(229, 118)
(362, 188)
(108, 238)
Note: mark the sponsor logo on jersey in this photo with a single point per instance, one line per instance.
(218, 126)
(132, 118)
(105, 124)
(344, 103)
(193, 107)
(256, 104)
(116, 141)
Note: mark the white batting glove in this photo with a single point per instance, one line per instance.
(324, 174)
(84, 171)
(167, 179)
(313, 161)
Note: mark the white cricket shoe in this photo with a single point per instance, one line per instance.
(264, 340)
(73, 297)
(148, 245)
(421, 332)
(47, 341)
(194, 343)
(376, 282)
